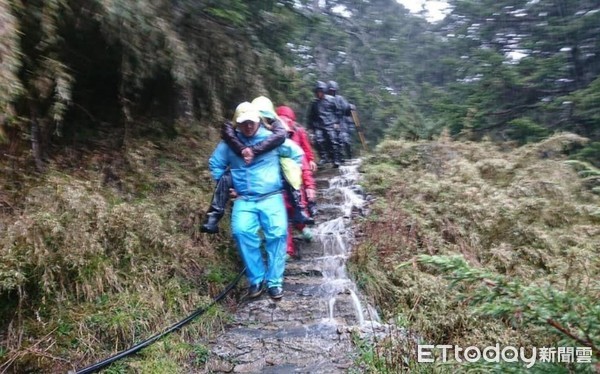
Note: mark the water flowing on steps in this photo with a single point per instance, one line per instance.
(310, 329)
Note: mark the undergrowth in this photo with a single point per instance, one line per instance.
(102, 251)
(470, 244)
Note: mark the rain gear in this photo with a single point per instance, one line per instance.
(278, 137)
(346, 125)
(292, 172)
(323, 113)
(298, 133)
(290, 169)
(259, 205)
(323, 119)
(308, 181)
(265, 107)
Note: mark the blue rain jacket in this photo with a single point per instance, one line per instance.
(260, 206)
(262, 176)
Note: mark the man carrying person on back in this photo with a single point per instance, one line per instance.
(228, 134)
(259, 203)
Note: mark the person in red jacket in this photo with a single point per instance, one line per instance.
(309, 189)
(299, 134)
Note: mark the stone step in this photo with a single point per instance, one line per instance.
(330, 197)
(311, 271)
(302, 303)
(312, 330)
(309, 249)
(315, 347)
(322, 245)
(324, 267)
(302, 285)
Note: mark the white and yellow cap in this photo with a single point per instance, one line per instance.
(246, 112)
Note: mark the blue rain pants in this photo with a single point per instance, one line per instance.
(247, 218)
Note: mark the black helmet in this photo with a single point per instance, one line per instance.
(332, 86)
(320, 86)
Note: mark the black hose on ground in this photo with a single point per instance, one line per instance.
(95, 367)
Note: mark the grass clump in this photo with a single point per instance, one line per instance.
(471, 244)
(102, 251)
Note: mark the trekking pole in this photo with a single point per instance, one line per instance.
(359, 130)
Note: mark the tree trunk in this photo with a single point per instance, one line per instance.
(36, 148)
(315, 5)
(184, 103)
(577, 68)
(126, 111)
(321, 59)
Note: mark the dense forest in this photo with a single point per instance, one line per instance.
(109, 109)
(512, 70)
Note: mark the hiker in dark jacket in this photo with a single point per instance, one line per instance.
(344, 117)
(323, 121)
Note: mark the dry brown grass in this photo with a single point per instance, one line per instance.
(98, 257)
(524, 214)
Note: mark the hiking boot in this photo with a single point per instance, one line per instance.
(307, 234)
(312, 208)
(255, 290)
(299, 215)
(322, 162)
(217, 205)
(211, 224)
(276, 292)
(348, 150)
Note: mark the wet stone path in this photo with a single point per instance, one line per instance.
(310, 329)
